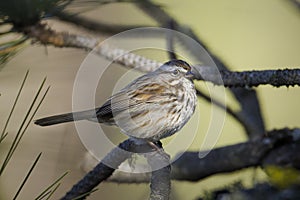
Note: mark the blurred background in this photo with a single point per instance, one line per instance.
(246, 35)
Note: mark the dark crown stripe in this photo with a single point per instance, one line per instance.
(179, 63)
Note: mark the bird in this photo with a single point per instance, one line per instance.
(152, 107)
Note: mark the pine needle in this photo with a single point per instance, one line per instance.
(27, 176)
(39, 197)
(23, 127)
(14, 105)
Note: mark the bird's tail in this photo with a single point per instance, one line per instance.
(63, 118)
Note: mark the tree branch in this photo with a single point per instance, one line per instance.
(159, 183)
(277, 78)
(127, 59)
(230, 158)
(287, 77)
(278, 148)
(161, 178)
(46, 35)
(101, 171)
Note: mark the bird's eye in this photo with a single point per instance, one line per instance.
(175, 72)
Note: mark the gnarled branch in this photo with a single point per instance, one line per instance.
(287, 77)
(159, 183)
(277, 148)
(277, 78)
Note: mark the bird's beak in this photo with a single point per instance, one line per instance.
(190, 75)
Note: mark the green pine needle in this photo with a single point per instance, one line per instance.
(39, 197)
(52, 192)
(3, 137)
(14, 105)
(9, 49)
(46, 194)
(22, 128)
(33, 108)
(27, 176)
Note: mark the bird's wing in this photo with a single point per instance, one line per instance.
(134, 99)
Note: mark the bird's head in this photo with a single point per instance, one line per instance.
(177, 68)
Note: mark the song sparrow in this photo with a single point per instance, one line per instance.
(154, 106)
